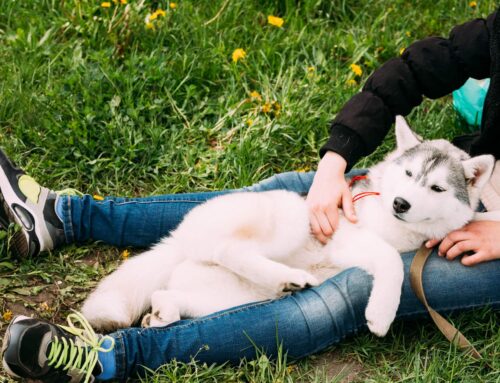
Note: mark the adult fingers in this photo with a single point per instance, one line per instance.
(474, 259)
(461, 247)
(431, 243)
(332, 215)
(451, 239)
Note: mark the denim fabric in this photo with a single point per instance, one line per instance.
(304, 322)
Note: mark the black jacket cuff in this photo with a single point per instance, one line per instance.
(345, 142)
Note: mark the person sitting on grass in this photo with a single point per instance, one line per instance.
(304, 322)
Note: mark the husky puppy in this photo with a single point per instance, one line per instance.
(245, 247)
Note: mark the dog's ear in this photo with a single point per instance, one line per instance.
(478, 170)
(405, 137)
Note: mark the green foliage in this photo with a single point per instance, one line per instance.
(92, 99)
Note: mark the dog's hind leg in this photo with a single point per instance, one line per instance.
(122, 297)
(245, 259)
(168, 306)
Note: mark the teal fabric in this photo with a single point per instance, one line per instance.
(469, 100)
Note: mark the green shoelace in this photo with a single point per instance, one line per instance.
(81, 354)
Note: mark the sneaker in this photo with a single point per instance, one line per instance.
(30, 206)
(37, 349)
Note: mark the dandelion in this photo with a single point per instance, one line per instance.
(266, 108)
(356, 69)
(239, 54)
(123, 2)
(249, 122)
(276, 21)
(106, 4)
(305, 169)
(44, 306)
(473, 4)
(254, 95)
(173, 5)
(408, 34)
(97, 197)
(160, 12)
(352, 82)
(311, 69)
(150, 25)
(7, 316)
(125, 254)
(401, 51)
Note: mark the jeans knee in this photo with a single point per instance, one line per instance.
(298, 182)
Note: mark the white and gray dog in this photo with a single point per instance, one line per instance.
(245, 247)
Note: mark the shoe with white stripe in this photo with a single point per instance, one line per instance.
(30, 206)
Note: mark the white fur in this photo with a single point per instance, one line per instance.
(245, 247)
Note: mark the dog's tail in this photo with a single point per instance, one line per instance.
(123, 296)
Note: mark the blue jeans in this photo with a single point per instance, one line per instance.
(303, 323)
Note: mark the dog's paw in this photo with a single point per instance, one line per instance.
(378, 320)
(106, 312)
(298, 280)
(160, 318)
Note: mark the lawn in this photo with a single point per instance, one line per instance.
(110, 101)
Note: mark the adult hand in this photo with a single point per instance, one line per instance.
(480, 237)
(328, 192)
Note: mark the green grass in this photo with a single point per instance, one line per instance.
(91, 99)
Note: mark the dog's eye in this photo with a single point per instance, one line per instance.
(408, 173)
(437, 188)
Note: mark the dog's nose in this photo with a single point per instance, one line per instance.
(401, 205)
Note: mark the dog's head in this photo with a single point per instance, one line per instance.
(432, 185)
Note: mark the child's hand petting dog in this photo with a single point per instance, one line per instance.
(328, 192)
(479, 238)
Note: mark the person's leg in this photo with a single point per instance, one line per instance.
(304, 322)
(141, 222)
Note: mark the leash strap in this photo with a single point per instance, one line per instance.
(448, 330)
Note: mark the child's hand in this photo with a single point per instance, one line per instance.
(480, 237)
(328, 192)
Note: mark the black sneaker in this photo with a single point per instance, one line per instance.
(37, 349)
(32, 207)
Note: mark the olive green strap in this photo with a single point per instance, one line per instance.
(448, 330)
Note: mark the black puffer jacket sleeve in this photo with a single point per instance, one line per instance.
(432, 67)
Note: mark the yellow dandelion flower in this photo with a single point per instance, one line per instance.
(408, 34)
(239, 54)
(266, 108)
(44, 306)
(276, 21)
(149, 25)
(106, 4)
(152, 16)
(473, 4)
(311, 69)
(305, 169)
(352, 82)
(276, 107)
(249, 122)
(125, 254)
(356, 69)
(401, 51)
(97, 197)
(123, 2)
(7, 316)
(254, 95)
(160, 12)
(172, 5)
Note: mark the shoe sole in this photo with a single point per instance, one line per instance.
(25, 242)
(5, 344)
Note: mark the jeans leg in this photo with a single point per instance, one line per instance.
(141, 222)
(304, 322)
